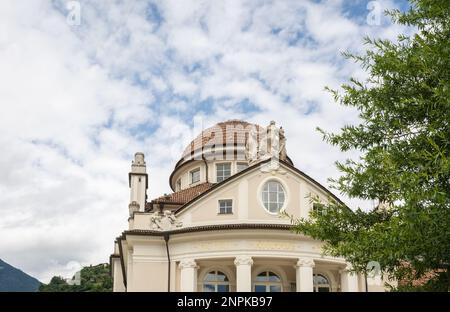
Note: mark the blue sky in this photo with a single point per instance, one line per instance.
(77, 101)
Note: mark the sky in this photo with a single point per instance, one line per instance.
(86, 84)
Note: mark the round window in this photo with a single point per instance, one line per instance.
(273, 196)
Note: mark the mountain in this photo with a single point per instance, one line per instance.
(12, 279)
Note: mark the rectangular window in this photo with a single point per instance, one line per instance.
(223, 171)
(225, 206)
(178, 188)
(241, 166)
(195, 175)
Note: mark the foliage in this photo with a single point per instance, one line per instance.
(93, 279)
(404, 140)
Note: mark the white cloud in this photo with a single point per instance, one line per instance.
(77, 101)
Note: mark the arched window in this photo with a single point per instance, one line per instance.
(216, 281)
(321, 283)
(273, 196)
(267, 282)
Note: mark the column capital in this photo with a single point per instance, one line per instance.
(243, 260)
(347, 269)
(188, 263)
(305, 262)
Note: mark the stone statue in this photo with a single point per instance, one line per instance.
(251, 145)
(282, 140)
(164, 222)
(271, 143)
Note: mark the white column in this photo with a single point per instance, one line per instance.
(304, 275)
(188, 280)
(243, 273)
(349, 280)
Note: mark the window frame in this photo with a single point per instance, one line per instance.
(267, 284)
(216, 283)
(316, 286)
(221, 164)
(191, 175)
(261, 196)
(225, 200)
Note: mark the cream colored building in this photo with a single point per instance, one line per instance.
(221, 229)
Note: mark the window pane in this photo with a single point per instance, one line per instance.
(273, 196)
(275, 288)
(221, 277)
(273, 277)
(273, 187)
(324, 289)
(223, 288)
(195, 176)
(262, 277)
(225, 206)
(210, 277)
(320, 280)
(260, 288)
(208, 288)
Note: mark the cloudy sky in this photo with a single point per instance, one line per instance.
(82, 90)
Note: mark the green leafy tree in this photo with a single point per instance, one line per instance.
(404, 139)
(92, 279)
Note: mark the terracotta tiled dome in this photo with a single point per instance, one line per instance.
(231, 132)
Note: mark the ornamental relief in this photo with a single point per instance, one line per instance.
(248, 245)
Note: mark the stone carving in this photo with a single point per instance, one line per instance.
(243, 260)
(269, 142)
(283, 153)
(305, 262)
(188, 264)
(251, 145)
(164, 222)
(133, 207)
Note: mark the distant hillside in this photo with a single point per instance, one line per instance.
(12, 279)
(93, 278)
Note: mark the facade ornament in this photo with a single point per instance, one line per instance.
(283, 153)
(188, 264)
(164, 222)
(305, 262)
(133, 207)
(243, 260)
(251, 146)
(265, 143)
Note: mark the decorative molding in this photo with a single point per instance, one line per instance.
(188, 264)
(348, 269)
(243, 260)
(305, 262)
(164, 222)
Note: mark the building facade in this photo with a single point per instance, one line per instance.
(226, 226)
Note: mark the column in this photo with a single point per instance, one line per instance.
(304, 275)
(243, 273)
(188, 280)
(349, 280)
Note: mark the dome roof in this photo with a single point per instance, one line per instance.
(231, 132)
(225, 139)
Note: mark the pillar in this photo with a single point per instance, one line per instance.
(188, 280)
(304, 275)
(243, 273)
(349, 280)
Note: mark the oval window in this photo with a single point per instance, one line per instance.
(273, 196)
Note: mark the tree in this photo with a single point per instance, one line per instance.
(404, 139)
(92, 279)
